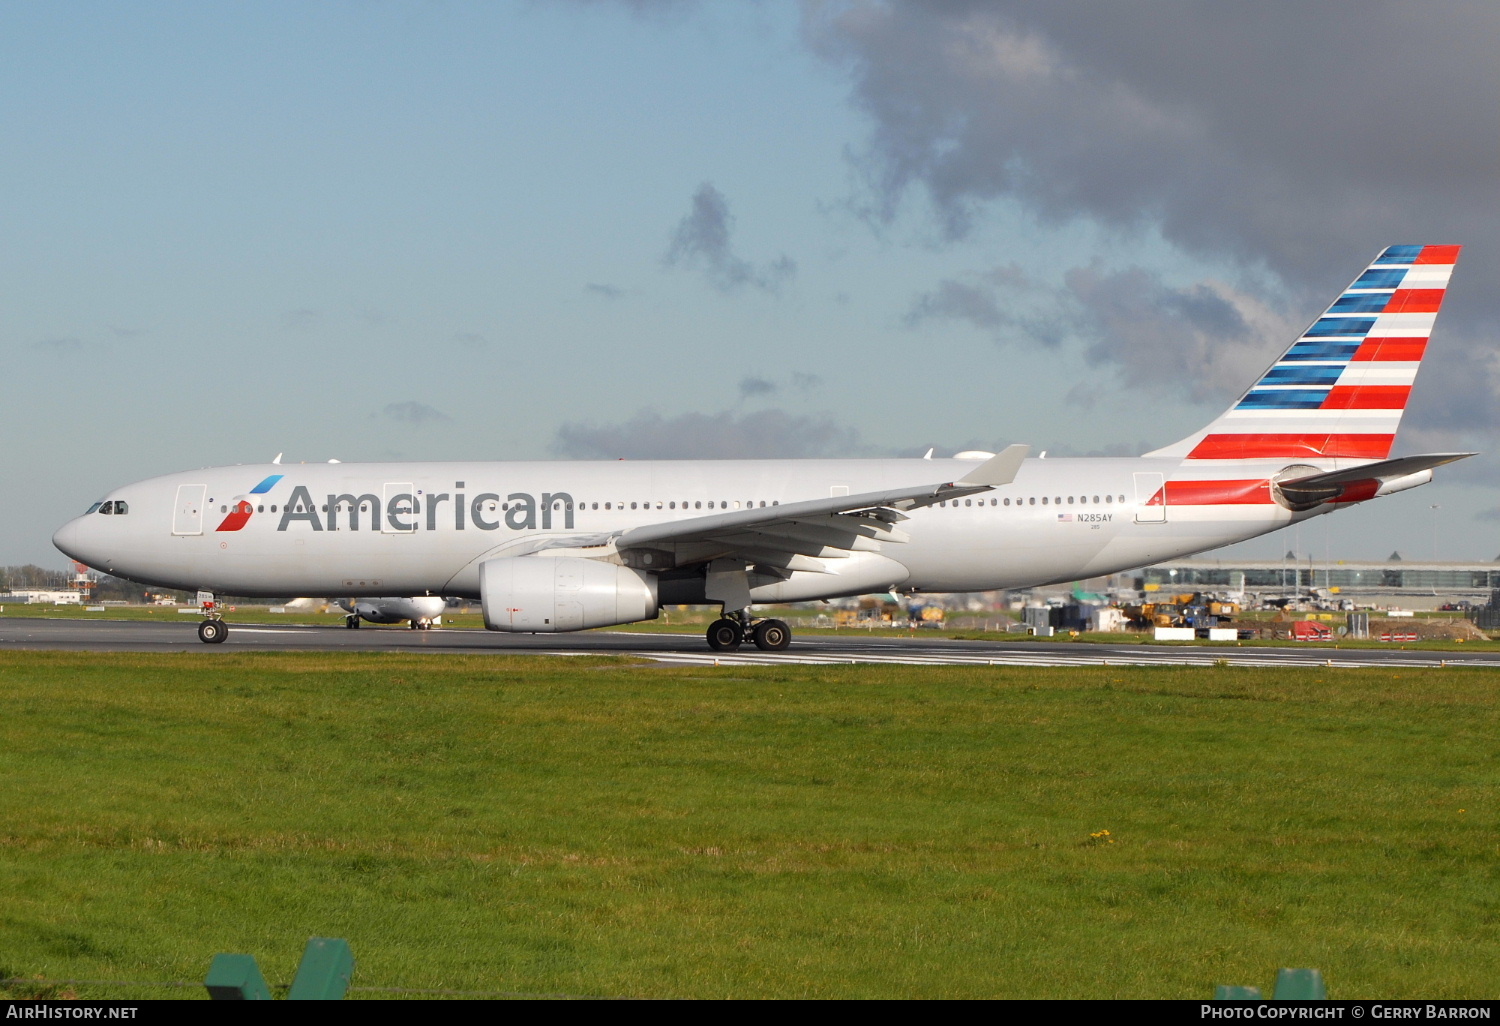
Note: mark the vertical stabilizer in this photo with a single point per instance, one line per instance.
(1339, 391)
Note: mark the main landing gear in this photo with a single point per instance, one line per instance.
(728, 633)
(352, 621)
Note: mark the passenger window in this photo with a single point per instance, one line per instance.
(1044, 500)
(1121, 499)
(674, 505)
(1007, 502)
(698, 505)
(1033, 500)
(968, 502)
(632, 505)
(1107, 498)
(1070, 500)
(1096, 499)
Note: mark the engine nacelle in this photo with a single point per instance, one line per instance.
(547, 594)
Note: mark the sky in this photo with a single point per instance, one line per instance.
(602, 228)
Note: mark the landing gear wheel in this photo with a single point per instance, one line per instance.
(772, 636)
(352, 621)
(212, 632)
(725, 635)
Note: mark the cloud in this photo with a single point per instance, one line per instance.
(1288, 141)
(763, 434)
(754, 388)
(1207, 339)
(1003, 302)
(804, 382)
(604, 291)
(702, 241)
(63, 346)
(303, 319)
(1262, 131)
(413, 413)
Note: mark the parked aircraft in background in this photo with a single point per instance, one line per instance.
(565, 546)
(420, 612)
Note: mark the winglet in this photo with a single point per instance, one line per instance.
(998, 470)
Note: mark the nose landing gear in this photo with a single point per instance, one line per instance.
(728, 633)
(212, 630)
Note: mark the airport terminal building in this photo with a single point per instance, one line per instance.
(1409, 584)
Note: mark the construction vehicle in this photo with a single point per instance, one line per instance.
(1184, 609)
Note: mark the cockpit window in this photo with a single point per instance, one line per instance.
(94, 508)
(116, 508)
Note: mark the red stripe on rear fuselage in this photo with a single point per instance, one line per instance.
(1218, 493)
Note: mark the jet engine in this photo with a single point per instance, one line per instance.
(548, 594)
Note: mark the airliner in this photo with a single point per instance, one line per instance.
(419, 612)
(565, 546)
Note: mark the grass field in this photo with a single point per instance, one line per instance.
(595, 827)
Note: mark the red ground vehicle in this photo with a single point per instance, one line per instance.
(1310, 630)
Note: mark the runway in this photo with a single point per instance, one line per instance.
(690, 649)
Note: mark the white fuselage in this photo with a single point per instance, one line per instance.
(1059, 520)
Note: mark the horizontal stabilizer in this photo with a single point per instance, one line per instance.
(1000, 469)
(1364, 481)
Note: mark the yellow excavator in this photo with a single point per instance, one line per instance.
(1180, 610)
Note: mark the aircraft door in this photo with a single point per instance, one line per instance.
(400, 508)
(187, 514)
(1150, 499)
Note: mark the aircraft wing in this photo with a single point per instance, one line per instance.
(1367, 480)
(795, 535)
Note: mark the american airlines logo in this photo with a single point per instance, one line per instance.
(408, 511)
(239, 512)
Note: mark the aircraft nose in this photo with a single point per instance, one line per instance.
(71, 540)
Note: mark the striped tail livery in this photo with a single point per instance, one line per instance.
(1316, 429)
(1339, 391)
